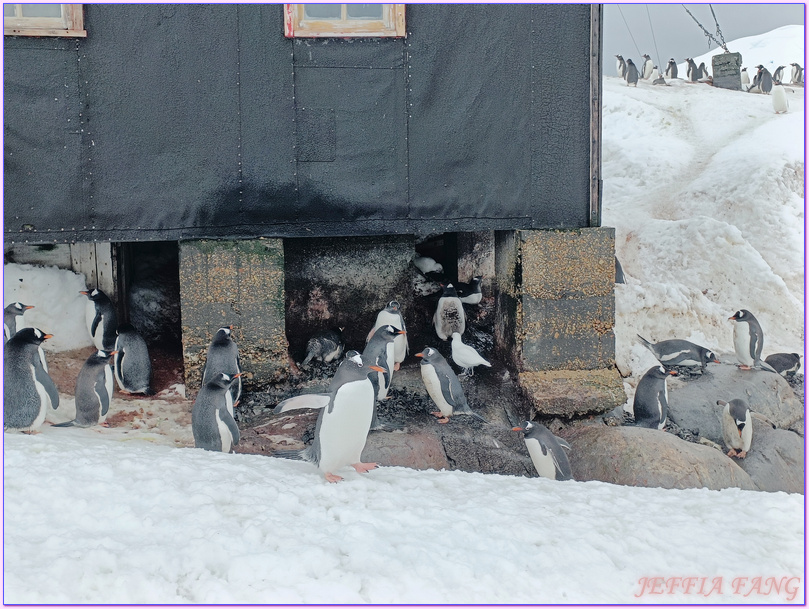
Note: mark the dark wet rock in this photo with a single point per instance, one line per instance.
(635, 456)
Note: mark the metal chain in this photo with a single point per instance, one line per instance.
(719, 30)
(707, 33)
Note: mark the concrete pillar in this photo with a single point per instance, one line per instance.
(555, 317)
(239, 283)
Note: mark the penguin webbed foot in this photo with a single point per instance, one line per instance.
(333, 478)
(732, 452)
(364, 468)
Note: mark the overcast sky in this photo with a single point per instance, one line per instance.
(676, 33)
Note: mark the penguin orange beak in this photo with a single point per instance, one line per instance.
(377, 368)
(47, 336)
(419, 355)
(28, 307)
(401, 332)
(517, 429)
(673, 372)
(733, 318)
(238, 375)
(85, 292)
(113, 353)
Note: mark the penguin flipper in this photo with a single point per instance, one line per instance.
(308, 400)
(228, 420)
(94, 325)
(294, 455)
(761, 417)
(645, 343)
(50, 387)
(563, 443)
(764, 366)
(65, 424)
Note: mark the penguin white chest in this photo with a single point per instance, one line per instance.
(542, 459)
(741, 342)
(433, 385)
(228, 403)
(224, 433)
(344, 430)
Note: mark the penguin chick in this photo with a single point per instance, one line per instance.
(785, 364)
(449, 315)
(748, 341)
(737, 427)
(326, 346)
(392, 315)
(93, 391)
(101, 319)
(780, 103)
(465, 356)
(427, 265)
(28, 389)
(651, 402)
(469, 293)
(10, 315)
(676, 352)
(443, 386)
(133, 367)
(223, 356)
(547, 451)
(212, 415)
(343, 422)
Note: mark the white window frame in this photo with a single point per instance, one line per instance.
(392, 24)
(70, 24)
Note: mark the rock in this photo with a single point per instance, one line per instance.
(635, 456)
(692, 404)
(775, 460)
(573, 393)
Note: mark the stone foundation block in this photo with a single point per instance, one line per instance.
(573, 393)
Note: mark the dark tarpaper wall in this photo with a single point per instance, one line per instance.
(186, 121)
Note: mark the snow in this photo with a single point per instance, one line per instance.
(705, 190)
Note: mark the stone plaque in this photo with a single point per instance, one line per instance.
(727, 71)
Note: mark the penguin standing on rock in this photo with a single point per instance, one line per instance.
(547, 451)
(133, 367)
(326, 346)
(470, 293)
(343, 421)
(737, 427)
(748, 340)
(28, 389)
(443, 386)
(676, 352)
(93, 391)
(392, 315)
(449, 315)
(223, 356)
(101, 319)
(651, 402)
(631, 73)
(212, 416)
(10, 315)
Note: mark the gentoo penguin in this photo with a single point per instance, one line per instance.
(631, 73)
(427, 265)
(465, 356)
(10, 315)
(223, 356)
(449, 315)
(133, 368)
(745, 79)
(443, 386)
(797, 74)
(755, 85)
(381, 351)
(469, 293)
(212, 416)
(651, 403)
(646, 67)
(671, 68)
(655, 75)
(778, 74)
(737, 427)
(765, 80)
(676, 352)
(703, 71)
(785, 364)
(343, 422)
(620, 66)
(693, 72)
(748, 340)
(101, 319)
(547, 451)
(326, 346)
(392, 315)
(619, 272)
(28, 390)
(780, 103)
(93, 391)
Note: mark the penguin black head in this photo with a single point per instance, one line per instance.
(428, 354)
(124, 329)
(710, 356)
(661, 372)
(223, 334)
(393, 305)
(740, 315)
(33, 336)
(223, 380)
(525, 427)
(18, 306)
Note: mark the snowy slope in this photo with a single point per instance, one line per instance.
(93, 520)
(705, 189)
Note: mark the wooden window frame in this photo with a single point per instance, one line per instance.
(70, 24)
(392, 24)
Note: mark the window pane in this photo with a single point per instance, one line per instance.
(8, 10)
(42, 10)
(364, 11)
(322, 11)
